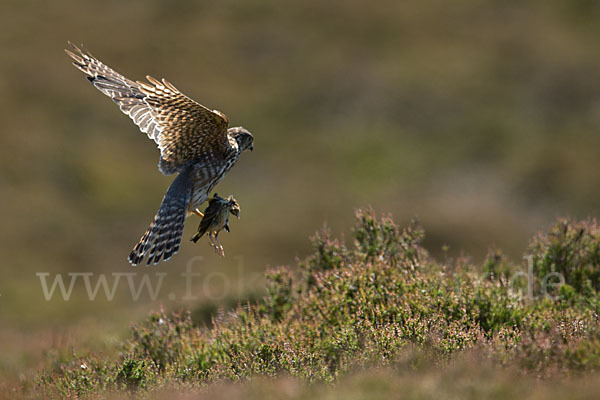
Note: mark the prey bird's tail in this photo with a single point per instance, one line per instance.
(196, 237)
(163, 236)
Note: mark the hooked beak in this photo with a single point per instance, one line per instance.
(251, 147)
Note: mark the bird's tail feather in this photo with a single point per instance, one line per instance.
(197, 237)
(163, 236)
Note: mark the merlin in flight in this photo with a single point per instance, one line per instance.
(194, 142)
(216, 218)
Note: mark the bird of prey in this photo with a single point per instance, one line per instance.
(216, 218)
(194, 142)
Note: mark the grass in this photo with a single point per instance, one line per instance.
(378, 313)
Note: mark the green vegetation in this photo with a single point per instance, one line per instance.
(380, 304)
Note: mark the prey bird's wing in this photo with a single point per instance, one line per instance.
(183, 129)
(210, 214)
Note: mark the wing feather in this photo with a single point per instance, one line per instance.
(183, 129)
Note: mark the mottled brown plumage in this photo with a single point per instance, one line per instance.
(194, 142)
(215, 219)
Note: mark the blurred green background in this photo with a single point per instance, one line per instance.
(481, 118)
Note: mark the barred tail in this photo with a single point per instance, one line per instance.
(163, 236)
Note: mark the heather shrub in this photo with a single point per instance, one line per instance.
(572, 249)
(365, 305)
(158, 340)
(134, 374)
(497, 267)
(384, 239)
(279, 298)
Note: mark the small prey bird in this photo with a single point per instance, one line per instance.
(216, 218)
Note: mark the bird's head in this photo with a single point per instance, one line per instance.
(244, 139)
(234, 207)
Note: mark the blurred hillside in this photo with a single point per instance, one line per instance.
(480, 118)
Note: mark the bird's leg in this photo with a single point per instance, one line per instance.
(219, 247)
(212, 241)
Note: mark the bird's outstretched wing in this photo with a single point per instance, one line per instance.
(183, 129)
